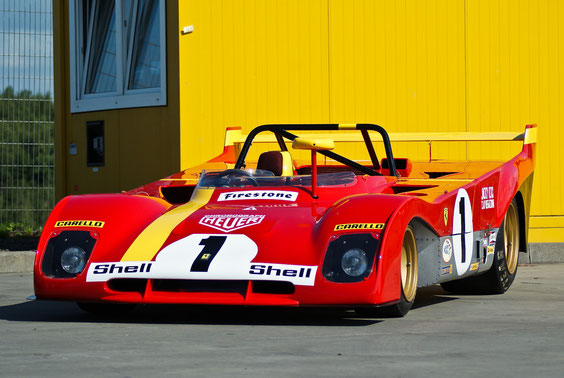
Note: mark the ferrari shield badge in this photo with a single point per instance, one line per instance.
(445, 215)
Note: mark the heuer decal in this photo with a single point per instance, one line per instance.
(279, 195)
(205, 257)
(475, 266)
(79, 223)
(490, 250)
(447, 250)
(359, 226)
(488, 198)
(231, 222)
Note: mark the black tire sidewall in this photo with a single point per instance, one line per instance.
(503, 277)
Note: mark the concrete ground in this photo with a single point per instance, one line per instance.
(517, 334)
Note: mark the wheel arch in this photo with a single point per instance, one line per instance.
(522, 222)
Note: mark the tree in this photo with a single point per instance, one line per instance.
(26, 157)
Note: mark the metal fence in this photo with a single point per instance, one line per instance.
(26, 114)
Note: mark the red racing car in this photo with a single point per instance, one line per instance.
(301, 226)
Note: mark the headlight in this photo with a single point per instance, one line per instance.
(73, 260)
(67, 253)
(350, 257)
(354, 262)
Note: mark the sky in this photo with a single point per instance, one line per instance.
(26, 45)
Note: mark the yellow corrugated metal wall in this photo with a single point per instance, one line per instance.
(441, 65)
(248, 63)
(515, 75)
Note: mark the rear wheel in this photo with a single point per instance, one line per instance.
(506, 259)
(409, 274)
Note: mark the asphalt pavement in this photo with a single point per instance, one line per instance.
(517, 334)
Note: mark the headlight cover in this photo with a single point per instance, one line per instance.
(354, 262)
(73, 260)
(350, 257)
(62, 257)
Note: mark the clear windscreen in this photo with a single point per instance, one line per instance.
(230, 178)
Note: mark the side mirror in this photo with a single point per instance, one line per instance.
(314, 145)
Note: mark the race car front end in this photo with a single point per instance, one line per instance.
(280, 251)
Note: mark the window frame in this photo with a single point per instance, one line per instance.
(122, 97)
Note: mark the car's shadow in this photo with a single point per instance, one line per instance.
(48, 311)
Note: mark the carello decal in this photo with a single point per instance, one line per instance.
(80, 223)
(277, 195)
(359, 226)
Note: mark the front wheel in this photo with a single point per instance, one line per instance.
(506, 259)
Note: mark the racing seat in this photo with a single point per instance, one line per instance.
(277, 162)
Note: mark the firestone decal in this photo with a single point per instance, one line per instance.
(279, 195)
(231, 222)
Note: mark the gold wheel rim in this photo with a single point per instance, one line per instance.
(409, 265)
(511, 238)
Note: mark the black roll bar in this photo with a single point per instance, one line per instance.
(282, 129)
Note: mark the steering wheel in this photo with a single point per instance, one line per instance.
(245, 176)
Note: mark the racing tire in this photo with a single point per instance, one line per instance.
(501, 275)
(409, 274)
(106, 309)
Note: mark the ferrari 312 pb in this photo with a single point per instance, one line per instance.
(302, 225)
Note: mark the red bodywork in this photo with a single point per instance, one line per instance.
(293, 233)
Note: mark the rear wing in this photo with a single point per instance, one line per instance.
(235, 139)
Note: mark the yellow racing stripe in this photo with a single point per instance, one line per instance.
(148, 243)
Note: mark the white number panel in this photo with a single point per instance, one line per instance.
(205, 256)
(462, 232)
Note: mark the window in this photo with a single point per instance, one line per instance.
(117, 54)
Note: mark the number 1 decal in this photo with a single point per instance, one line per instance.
(212, 245)
(462, 228)
(462, 232)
